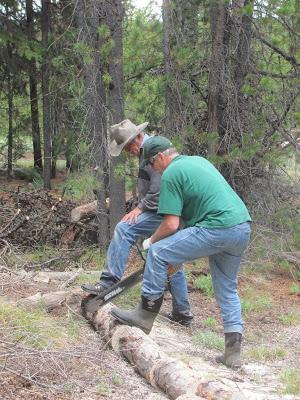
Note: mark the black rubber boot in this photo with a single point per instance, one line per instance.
(142, 316)
(232, 355)
(184, 319)
(95, 288)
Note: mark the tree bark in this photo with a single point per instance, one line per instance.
(172, 376)
(10, 117)
(88, 14)
(45, 26)
(217, 18)
(180, 24)
(169, 97)
(54, 300)
(84, 211)
(36, 137)
(115, 14)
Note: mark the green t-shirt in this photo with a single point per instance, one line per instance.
(192, 188)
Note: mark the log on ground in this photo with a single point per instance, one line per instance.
(174, 377)
(84, 211)
(51, 300)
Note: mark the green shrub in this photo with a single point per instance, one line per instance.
(209, 339)
(290, 377)
(247, 306)
(33, 327)
(264, 354)
(204, 284)
(92, 259)
(251, 301)
(289, 319)
(210, 322)
(295, 289)
(80, 185)
(129, 298)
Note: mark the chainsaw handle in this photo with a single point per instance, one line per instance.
(172, 269)
(141, 251)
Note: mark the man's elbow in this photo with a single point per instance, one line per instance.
(173, 224)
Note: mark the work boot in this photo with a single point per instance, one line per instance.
(142, 316)
(95, 288)
(184, 319)
(232, 355)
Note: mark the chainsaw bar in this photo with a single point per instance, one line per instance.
(92, 303)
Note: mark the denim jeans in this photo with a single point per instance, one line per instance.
(125, 235)
(223, 246)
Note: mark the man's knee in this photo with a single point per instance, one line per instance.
(120, 230)
(125, 231)
(155, 255)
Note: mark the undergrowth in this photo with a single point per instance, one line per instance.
(210, 340)
(79, 186)
(290, 377)
(35, 328)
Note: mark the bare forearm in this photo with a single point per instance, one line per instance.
(169, 226)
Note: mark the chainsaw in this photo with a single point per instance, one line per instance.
(92, 302)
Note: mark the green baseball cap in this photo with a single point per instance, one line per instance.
(153, 146)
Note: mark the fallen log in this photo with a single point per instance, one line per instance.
(84, 211)
(48, 276)
(174, 377)
(52, 300)
(89, 210)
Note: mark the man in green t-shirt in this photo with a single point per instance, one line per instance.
(215, 222)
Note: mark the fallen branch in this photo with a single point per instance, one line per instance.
(53, 299)
(292, 257)
(15, 228)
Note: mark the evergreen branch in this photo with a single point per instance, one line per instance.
(274, 125)
(291, 59)
(204, 98)
(275, 76)
(154, 69)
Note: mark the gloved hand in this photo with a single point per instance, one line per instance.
(147, 243)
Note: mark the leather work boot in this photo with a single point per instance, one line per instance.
(95, 289)
(184, 319)
(142, 316)
(232, 355)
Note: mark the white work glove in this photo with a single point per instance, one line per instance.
(147, 243)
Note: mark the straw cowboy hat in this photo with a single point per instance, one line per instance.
(122, 134)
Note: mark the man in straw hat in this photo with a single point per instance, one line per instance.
(216, 225)
(142, 221)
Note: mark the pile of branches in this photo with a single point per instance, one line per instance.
(29, 219)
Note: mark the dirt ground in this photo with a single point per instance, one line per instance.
(79, 365)
(100, 373)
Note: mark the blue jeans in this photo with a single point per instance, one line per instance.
(125, 235)
(223, 246)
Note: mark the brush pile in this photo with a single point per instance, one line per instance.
(29, 219)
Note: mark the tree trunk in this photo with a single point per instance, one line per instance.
(10, 120)
(180, 24)
(116, 106)
(88, 15)
(45, 26)
(55, 136)
(174, 377)
(169, 97)
(217, 18)
(243, 34)
(36, 139)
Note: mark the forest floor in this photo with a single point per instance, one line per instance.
(53, 353)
